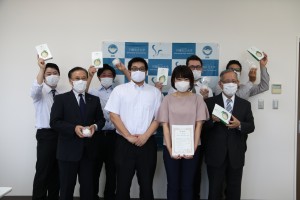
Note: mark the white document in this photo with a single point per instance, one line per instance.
(182, 140)
(43, 51)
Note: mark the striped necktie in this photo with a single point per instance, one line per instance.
(228, 105)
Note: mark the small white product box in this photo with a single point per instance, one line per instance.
(97, 59)
(162, 75)
(256, 53)
(116, 61)
(222, 114)
(44, 52)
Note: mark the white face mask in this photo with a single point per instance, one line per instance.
(79, 86)
(52, 80)
(197, 74)
(106, 82)
(138, 76)
(229, 89)
(182, 86)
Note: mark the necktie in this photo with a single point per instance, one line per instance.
(228, 105)
(82, 106)
(53, 92)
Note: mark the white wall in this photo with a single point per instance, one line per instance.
(75, 28)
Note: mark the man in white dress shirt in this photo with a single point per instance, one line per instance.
(43, 90)
(133, 107)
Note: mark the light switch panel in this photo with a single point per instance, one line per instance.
(260, 104)
(275, 103)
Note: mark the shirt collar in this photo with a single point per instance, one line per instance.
(77, 94)
(225, 98)
(101, 87)
(135, 85)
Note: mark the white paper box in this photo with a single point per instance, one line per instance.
(44, 52)
(97, 59)
(222, 114)
(162, 75)
(256, 53)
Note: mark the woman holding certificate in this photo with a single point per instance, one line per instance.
(182, 114)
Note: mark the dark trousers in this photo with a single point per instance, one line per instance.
(46, 179)
(224, 173)
(68, 175)
(131, 159)
(180, 176)
(105, 154)
(197, 181)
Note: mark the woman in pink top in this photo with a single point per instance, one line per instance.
(181, 108)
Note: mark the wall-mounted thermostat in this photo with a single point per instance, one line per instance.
(276, 88)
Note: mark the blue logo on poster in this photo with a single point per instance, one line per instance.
(112, 48)
(207, 50)
(156, 52)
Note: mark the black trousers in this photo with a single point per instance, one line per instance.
(46, 179)
(131, 159)
(197, 180)
(68, 175)
(224, 173)
(105, 140)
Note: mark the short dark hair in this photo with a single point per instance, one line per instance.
(106, 67)
(225, 72)
(193, 57)
(182, 71)
(232, 62)
(53, 66)
(137, 59)
(77, 69)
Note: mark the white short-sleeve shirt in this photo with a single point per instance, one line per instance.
(136, 105)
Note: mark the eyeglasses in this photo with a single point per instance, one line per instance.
(230, 81)
(192, 67)
(134, 69)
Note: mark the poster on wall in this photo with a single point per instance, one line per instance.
(163, 55)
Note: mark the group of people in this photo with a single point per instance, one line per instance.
(80, 130)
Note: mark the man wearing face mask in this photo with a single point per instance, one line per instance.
(43, 90)
(133, 107)
(195, 64)
(106, 138)
(225, 145)
(76, 116)
(250, 89)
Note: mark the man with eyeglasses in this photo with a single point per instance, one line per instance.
(225, 145)
(250, 89)
(133, 107)
(76, 116)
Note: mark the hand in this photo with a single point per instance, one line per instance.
(204, 92)
(215, 119)
(263, 62)
(92, 70)
(41, 63)
(92, 129)
(252, 75)
(78, 131)
(234, 123)
(159, 85)
(141, 140)
(176, 157)
(121, 67)
(187, 157)
(131, 138)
